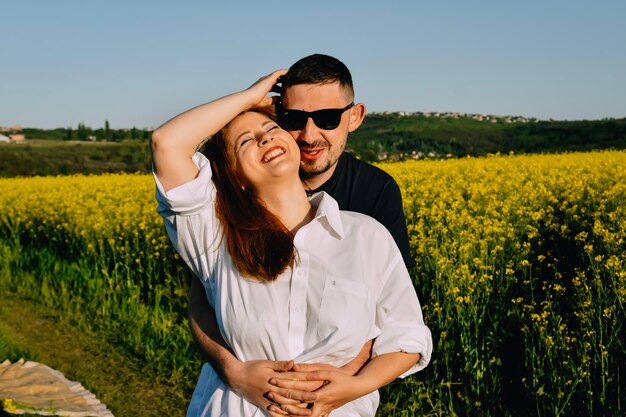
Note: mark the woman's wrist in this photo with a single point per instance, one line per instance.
(363, 385)
(246, 98)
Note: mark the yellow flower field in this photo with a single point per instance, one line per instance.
(520, 263)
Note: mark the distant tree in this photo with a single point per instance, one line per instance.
(107, 130)
(81, 132)
(68, 133)
(117, 135)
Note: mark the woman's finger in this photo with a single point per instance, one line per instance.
(274, 407)
(278, 73)
(321, 376)
(296, 411)
(276, 411)
(292, 396)
(281, 400)
(264, 84)
(297, 385)
(272, 78)
(309, 367)
(277, 88)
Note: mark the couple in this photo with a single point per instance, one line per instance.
(302, 309)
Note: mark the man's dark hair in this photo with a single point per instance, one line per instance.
(318, 69)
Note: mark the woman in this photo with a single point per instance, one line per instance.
(288, 277)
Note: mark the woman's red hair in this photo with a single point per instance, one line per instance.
(259, 244)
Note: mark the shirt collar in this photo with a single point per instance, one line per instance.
(327, 212)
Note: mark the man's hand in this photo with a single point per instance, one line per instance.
(337, 389)
(285, 385)
(251, 380)
(288, 384)
(299, 379)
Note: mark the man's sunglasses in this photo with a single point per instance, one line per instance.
(326, 119)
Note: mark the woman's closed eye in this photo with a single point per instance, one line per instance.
(243, 142)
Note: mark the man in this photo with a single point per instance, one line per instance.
(322, 82)
(317, 108)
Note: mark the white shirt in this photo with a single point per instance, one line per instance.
(349, 285)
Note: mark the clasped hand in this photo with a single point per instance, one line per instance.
(286, 389)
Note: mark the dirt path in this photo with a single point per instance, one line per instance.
(116, 380)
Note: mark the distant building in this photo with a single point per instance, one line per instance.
(16, 128)
(4, 139)
(13, 133)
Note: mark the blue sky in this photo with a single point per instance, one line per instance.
(138, 63)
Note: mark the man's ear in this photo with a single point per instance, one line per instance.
(357, 114)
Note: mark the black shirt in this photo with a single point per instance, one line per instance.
(364, 188)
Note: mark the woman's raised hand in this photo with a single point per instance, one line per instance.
(176, 141)
(258, 92)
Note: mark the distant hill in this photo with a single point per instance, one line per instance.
(56, 157)
(382, 136)
(416, 135)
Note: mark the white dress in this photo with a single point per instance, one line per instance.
(349, 285)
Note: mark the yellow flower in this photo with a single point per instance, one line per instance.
(8, 405)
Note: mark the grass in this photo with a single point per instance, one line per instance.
(122, 382)
(9, 350)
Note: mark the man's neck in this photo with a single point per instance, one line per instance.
(316, 181)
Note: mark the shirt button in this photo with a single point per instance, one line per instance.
(297, 309)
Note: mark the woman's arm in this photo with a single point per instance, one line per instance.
(175, 142)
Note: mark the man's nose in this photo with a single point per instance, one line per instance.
(309, 131)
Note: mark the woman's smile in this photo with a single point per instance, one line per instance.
(272, 153)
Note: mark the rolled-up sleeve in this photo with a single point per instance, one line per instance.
(189, 214)
(399, 316)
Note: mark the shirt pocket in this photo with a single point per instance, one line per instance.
(346, 313)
